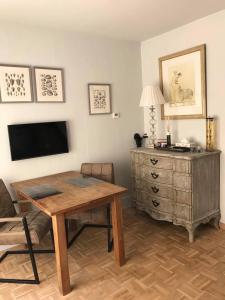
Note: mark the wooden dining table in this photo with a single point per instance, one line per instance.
(72, 197)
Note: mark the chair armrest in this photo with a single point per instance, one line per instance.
(12, 219)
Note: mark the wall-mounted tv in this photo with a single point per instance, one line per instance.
(37, 139)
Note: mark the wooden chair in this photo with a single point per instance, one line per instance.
(22, 229)
(98, 217)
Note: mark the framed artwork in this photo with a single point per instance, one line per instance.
(49, 85)
(183, 84)
(15, 84)
(99, 98)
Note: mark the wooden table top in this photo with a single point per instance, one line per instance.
(73, 197)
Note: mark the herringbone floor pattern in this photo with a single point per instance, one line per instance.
(161, 265)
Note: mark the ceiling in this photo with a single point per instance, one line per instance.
(121, 19)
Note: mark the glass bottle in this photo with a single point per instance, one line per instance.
(168, 139)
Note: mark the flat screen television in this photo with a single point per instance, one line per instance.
(37, 139)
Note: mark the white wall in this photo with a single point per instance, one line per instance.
(85, 59)
(209, 31)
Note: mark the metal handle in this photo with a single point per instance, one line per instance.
(155, 203)
(154, 161)
(155, 189)
(154, 175)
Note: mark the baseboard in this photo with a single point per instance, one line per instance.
(222, 226)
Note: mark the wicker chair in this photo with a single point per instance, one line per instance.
(97, 217)
(14, 230)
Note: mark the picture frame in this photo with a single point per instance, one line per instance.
(99, 98)
(183, 83)
(15, 84)
(49, 84)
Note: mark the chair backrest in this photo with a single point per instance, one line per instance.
(102, 171)
(7, 208)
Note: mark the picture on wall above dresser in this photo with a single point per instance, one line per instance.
(183, 83)
(15, 84)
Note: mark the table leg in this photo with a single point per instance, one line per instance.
(58, 222)
(117, 221)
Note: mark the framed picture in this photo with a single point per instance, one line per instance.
(15, 84)
(49, 85)
(183, 84)
(99, 98)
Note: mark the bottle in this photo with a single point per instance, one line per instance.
(168, 139)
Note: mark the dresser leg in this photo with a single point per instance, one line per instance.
(191, 234)
(215, 222)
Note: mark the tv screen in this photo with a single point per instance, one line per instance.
(37, 139)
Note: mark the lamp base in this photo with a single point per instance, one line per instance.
(152, 125)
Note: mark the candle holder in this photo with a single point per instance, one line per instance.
(210, 134)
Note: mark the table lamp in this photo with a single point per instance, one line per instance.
(152, 97)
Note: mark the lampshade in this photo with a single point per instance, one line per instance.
(151, 95)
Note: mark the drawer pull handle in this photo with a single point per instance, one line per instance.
(154, 161)
(154, 175)
(155, 203)
(155, 189)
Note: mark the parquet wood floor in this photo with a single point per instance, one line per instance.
(161, 265)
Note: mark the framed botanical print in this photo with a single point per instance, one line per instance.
(183, 84)
(99, 98)
(15, 84)
(49, 85)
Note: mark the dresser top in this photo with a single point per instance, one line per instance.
(179, 155)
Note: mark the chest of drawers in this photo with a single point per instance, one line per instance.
(183, 188)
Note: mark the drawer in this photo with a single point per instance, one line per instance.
(157, 203)
(182, 166)
(156, 161)
(157, 189)
(182, 212)
(182, 181)
(157, 175)
(159, 215)
(183, 197)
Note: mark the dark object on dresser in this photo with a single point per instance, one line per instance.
(168, 140)
(174, 149)
(138, 139)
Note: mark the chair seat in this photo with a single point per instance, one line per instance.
(12, 233)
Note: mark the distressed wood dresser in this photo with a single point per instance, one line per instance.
(183, 188)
